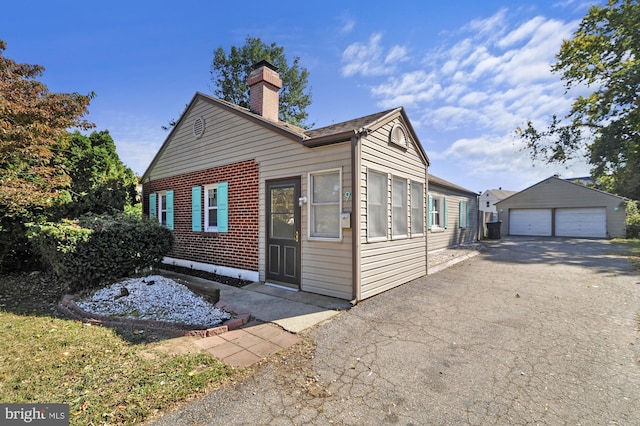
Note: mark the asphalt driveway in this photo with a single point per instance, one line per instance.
(532, 331)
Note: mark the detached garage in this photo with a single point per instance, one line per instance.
(556, 207)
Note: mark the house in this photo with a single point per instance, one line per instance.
(339, 210)
(453, 214)
(557, 207)
(488, 211)
(488, 200)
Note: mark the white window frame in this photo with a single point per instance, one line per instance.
(208, 209)
(312, 235)
(384, 237)
(414, 208)
(162, 195)
(401, 233)
(440, 212)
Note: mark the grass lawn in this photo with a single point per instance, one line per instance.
(105, 376)
(632, 247)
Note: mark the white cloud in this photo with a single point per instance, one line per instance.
(367, 58)
(489, 28)
(347, 23)
(396, 54)
(410, 90)
(522, 32)
(468, 96)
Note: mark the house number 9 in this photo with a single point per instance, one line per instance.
(347, 196)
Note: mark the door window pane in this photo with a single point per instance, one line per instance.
(282, 213)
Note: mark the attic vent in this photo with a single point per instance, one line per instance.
(398, 136)
(198, 127)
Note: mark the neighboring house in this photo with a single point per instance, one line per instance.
(453, 214)
(339, 210)
(488, 200)
(556, 207)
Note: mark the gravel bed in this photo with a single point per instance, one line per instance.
(153, 298)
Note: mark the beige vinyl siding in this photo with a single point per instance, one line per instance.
(555, 193)
(235, 139)
(453, 235)
(387, 264)
(326, 265)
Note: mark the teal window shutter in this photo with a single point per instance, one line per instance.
(461, 214)
(446, 212)
(170, 209)
(468, 214)
(223, 207)
(429, 212)
(196, 209)
(153, 205)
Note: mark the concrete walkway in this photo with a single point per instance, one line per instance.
(278, 316)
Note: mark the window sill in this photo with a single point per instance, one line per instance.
(436, 229)
(329, 239)
(400, 237)
(376, 239)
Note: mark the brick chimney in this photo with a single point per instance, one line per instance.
(264, 83)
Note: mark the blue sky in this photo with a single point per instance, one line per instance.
(467, 72)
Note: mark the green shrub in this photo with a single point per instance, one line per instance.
(93, 251)
(633, 220)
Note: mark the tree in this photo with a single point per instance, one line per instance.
(101, 183)
(230, 73)
(33, 122)
(604, 56)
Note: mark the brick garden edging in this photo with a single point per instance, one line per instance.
(69, 308)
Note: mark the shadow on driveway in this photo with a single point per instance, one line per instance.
(602, 255)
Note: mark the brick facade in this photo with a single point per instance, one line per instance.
(237, 248)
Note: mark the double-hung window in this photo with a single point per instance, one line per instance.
(161, 207)
(438, 207)
(324, 211)
(377, 218)
(417, 208)
(464, 214)
(215, 206)
(399, 207)
(211, 208)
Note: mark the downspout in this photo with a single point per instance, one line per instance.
(426, 207)
(479, 219)
(356, 290)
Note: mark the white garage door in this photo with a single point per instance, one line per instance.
(582, 222)
(530, 222)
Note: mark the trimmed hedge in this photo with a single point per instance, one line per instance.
(94, 251)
